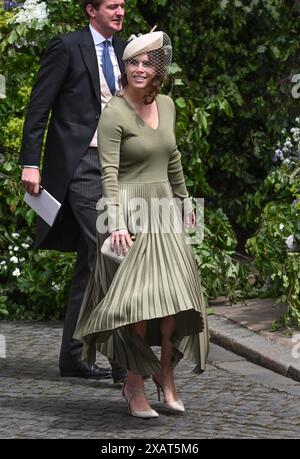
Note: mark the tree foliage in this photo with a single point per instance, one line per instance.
(238, 58)
(231, 81)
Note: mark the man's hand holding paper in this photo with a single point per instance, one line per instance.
(31, 180)
(44, 204)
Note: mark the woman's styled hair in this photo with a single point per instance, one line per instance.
(156, 58)
(94, 3)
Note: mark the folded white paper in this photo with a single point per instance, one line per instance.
(44, 204)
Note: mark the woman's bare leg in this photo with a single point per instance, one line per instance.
(139, 402)
(166, 375)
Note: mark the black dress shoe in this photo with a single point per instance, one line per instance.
(119, 375)
(84, 371)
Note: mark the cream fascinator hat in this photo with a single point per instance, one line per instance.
(156, 44)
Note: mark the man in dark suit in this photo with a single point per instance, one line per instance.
(79, 73)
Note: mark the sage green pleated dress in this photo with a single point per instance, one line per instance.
(158, 276)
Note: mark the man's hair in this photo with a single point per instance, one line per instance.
(95, 3)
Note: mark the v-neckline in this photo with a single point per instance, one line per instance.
(139, 116)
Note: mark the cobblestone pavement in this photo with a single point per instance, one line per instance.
(232, 399)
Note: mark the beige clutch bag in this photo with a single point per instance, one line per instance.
(107, 251)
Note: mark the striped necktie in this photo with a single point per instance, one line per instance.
(107, 67)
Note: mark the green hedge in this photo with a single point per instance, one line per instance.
(231, 84)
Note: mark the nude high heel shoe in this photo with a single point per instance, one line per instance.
(138, 414)
(176, 406)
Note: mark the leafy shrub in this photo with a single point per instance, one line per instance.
(276, 244)
(33, 285)
(220, 273)
(238, 60)
(225, 125)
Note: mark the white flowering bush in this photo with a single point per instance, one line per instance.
(288, 151)
(29, 288)
(288, 154)
(33, 12)
(25, 24)
(276, 244)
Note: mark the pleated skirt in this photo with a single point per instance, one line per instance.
(157, 278)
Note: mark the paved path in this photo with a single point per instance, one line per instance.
(232, 399)
(246, 329)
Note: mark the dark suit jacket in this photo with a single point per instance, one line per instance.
(68, 85)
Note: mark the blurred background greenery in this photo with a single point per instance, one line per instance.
(232, 81)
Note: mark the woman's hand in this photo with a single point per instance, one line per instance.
(121, 240)
(189, 220)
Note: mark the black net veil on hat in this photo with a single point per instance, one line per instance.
(158, 47)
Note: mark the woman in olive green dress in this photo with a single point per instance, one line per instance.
(154, 297)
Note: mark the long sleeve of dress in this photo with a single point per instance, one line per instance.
(176, 177)
(109, 141)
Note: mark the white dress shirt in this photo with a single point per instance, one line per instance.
(105, 92)
(98, 40)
